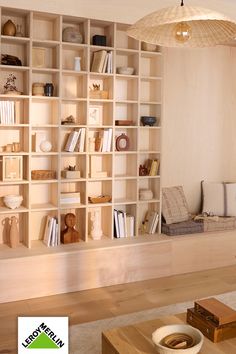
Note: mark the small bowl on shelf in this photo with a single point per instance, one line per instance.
(125, 70)
(100, 199)
(13, 201)
(177, 338)
(148, 120)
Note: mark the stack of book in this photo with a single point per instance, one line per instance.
(151, 221)
(153, 166)
(51, 236)
(102, 62)
(70, 198)
(7, 112)
(103, 140)
(123, 224)
(76, 141)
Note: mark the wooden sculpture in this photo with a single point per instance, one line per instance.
(70, 234)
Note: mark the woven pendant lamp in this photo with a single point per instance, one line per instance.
(184, 26)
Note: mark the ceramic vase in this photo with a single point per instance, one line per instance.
(9, 29)
(14, 233)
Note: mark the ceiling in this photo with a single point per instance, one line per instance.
(126, 11)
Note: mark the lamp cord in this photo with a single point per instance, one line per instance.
(182, 2)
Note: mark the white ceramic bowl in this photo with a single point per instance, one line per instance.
(13, 201)
(125, 70)
(164, 331)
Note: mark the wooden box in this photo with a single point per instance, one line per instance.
(214, 319)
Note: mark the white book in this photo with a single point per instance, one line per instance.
(5, 112)
(1, 113)
(121, 223)
(125, 224)
(38, 138)
(58, 240)
(155, 224)
(53, 233)
(105, 63)
(105, 140)
(110, 66)
(109, 142)
(151, 221)
(98, 61)
(48, 230)
(12, 113)
(71, 141)
(82, 140)
(116, 223)
(130, 225)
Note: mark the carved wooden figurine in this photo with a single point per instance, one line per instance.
(70, 234)
(96, 231)
(14, 233)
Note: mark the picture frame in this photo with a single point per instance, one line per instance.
(95, 116)
(12, 168)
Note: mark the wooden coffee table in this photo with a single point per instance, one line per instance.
(137, 338)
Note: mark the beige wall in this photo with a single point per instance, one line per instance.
(200, 118)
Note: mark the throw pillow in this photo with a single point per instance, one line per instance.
(174, 205)
(219, 198)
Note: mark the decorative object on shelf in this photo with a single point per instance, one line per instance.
(19, 32)
(14, 233)
(122, 142)
(145, 194)
(124, 122)
(92, 144)
(184, 26)
(72, 35)
(143, 171)
(71, 172)
(151, 166)
(94, 117)
(148, 120)
(95, 224)
(37, 138)
(77, 65)
(9, 28)
(98, 143)
(7, 59)
(14, 147)
(148, 47)
(99, 40)
(12, 168)
(95, 168)
(70, 234)
(46, 146)
(13, 201)
(183, 338)
(69, 198)
(43, 174)
(68, 120)
(48, 89)
(38, 89)
(100, 199)
(125, 70)
(96, 93)
(10, 86)
(38, 57)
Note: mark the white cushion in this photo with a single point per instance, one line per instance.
(219, 198)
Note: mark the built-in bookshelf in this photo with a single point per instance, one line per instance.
(128, 98)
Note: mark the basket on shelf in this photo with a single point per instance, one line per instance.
(43, 174)
(99, 94)
(100, 199)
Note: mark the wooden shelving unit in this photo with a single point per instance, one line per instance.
(130, 97)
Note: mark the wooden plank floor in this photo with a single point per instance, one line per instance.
(91, 305)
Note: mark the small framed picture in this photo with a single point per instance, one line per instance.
(95, 115)
(12, 168)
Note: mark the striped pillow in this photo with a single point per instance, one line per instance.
(174, 205)
(219, 198)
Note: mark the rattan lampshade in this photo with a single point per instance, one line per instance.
(208, 28)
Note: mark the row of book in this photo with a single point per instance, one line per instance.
(7, 112)
(151, 221)
(51, 236)
(102, 62)
(153, 167)
(76, 141)
(105, 140)
(123, 224)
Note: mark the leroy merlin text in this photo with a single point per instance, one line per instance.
(43, 328)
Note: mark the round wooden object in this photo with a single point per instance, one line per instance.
(122, 143)
(178, 341)
(9, 29)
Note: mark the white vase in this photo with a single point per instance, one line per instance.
(77, 64)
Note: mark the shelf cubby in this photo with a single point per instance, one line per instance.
(153, 110)
(150, 183)
(99, 163)
(18, 134)
(51, 54)
(105, 112)
(129, 209)
(65, 132)
(42, 76)
(74, 86)
(69, 52)
(22, 78)
(44, 112)
(98, 188)
(124, 41)
(80, 225)
(72, 187)
(46, 27)
(103, 28)
(131, 133)
(149, 139)
(78, 109)
(126, 89)
(125, 191)
(127, 59)
(143, 209)
(17, 48)
(10, 189)
(79, 24)
(125, 165)
(150, 90)
(38, 223)
(106, 221)
(18, 17)
(104, 81)
(50, 135)
(5, 224)
(151, 64)
(145, 156)
(44, 163)
(74, 160)
(44, 196)
(127, 111)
